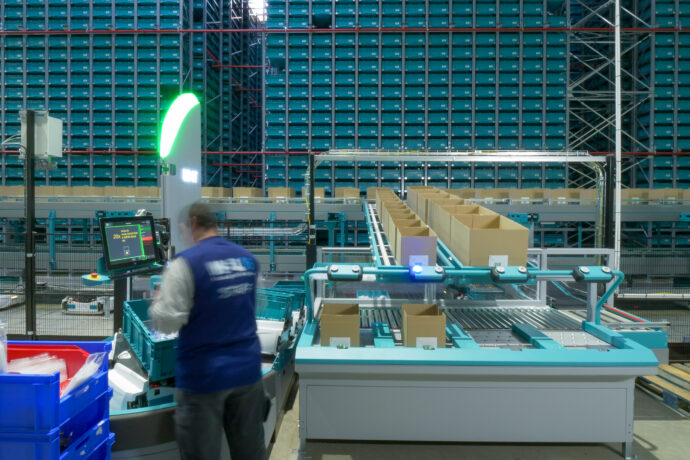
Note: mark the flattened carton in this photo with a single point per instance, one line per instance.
(415, 245)
(423, 325)
(483, 241)
(340, 324)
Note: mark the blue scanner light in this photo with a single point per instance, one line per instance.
(417, 269)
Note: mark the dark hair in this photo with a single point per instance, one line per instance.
(203, 215)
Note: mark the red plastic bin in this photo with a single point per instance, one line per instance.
(74, 356)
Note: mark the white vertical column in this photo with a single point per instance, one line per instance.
(618, 146)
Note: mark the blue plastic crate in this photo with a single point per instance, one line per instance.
(32, 404)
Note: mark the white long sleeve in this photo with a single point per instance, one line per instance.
(170, 312)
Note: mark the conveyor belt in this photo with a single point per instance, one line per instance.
(485, 318)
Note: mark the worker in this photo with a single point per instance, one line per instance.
(207, 294)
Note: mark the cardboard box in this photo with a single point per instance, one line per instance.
(43, 190)
(372, 192)
(428, 196)
(665, 194)
(492, 195)
(247, 192)
(319, 192)
(463, 192)
(86, 191)
(415, 245)
(440, 216)
(340, 324)
(562, 195)
(12, 190)
(635, 195)
(485, 240)
(423, 325)
(281, 192)
(393, 214)
(215, 192)
(154, 192)
(525, 195)
(347, 192)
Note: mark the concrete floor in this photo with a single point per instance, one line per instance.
(660, 433)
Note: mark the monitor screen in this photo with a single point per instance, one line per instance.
(128, 242)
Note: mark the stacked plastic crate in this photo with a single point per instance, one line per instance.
(664, 121)
(360, 87)
(38, 421)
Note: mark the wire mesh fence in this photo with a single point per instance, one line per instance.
(657, 288)
(65, 305)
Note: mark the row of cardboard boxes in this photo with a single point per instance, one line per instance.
(409, 237)
(476, 235)
(207, 192)
(486, 195)
(423, 325)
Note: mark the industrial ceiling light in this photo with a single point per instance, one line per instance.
(173, 120)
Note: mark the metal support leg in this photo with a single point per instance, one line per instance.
(302, 424)
(429, 293)
(591, 301)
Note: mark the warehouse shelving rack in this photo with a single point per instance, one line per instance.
(109, 70)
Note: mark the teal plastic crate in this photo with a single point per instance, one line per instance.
(157, 356)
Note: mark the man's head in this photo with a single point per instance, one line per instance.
(198, 222)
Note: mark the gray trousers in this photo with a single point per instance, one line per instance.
(201, 419)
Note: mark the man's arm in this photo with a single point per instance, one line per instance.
(175, 299)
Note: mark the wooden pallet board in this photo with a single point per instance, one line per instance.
(672, 385)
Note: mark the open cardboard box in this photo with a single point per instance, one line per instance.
(491, 195)
(485, 240)
(440, 216)
(666, 194)
(423, 325)
(146, 192)
(340, 324)
(319, 192)
(588, 195)
(373, 192)
(281, 193)
(562, 195)
(12, 190)
(397, 214)
(425, 199)
(346, 192)
(463, 192)
(247, 192)
(415, 245)
(525, 195)
(635, 195)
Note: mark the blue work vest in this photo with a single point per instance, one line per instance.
(219, 348)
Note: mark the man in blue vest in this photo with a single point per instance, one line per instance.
(207, 294)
